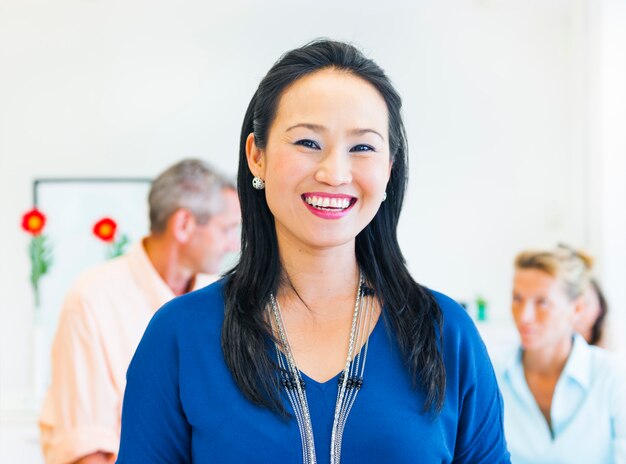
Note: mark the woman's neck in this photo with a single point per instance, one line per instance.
(548, 361)
(315, 278)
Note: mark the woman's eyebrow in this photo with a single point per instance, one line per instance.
(306, 125)
(320, 128)
(365, 131)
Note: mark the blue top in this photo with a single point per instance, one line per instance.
(181, 404)
(588, 412)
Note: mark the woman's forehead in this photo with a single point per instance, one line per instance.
(330, 96)
(534, 279)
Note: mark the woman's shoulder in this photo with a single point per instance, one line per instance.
(472, 394)
(463, 347)
(192, 309)
(182, 324)
(605, 364)
(600, 355)
(455, 318)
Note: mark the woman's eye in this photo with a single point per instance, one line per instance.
(362, 147)
(308, 143)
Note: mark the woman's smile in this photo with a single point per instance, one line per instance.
(328, 205)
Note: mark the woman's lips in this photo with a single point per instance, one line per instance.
(328, 205)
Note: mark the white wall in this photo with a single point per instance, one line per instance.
(606, 26)
(494, 106)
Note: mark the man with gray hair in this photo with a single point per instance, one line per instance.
(194, 223)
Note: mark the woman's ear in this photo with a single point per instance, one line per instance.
(579, 308)
(255, 157)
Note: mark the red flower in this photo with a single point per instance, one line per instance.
(33, 222)
(105, 229)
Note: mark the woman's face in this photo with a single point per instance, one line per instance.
(543, 313)
(326, 162)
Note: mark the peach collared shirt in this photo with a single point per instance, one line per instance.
(102, 320)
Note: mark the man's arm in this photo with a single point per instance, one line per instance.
(81, 412)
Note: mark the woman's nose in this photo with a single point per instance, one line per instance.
(527, 314)
(334, 168)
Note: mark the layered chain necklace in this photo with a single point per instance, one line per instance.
(350, 380)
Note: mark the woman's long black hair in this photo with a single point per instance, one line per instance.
(410, 309)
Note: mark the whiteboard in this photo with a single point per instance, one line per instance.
(72, 207)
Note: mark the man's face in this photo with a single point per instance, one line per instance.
(210, 242)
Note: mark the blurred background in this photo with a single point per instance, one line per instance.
(515, 112)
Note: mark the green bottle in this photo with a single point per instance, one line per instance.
(481, 308)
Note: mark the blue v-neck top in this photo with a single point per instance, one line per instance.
(182, 406)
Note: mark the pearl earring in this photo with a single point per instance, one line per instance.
(384, 196)
(258, 183)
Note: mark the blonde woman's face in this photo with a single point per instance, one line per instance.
(543, 313)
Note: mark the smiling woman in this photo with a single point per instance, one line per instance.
(318, 346)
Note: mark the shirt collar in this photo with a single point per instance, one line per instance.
(577, 367)
(147, 277)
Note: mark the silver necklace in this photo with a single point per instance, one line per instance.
(350, 380)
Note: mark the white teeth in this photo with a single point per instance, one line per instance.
(326, 202)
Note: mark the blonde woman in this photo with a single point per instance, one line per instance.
(564, 399)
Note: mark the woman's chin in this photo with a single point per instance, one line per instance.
(529, 343)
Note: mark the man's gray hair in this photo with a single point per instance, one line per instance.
(190, 184)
